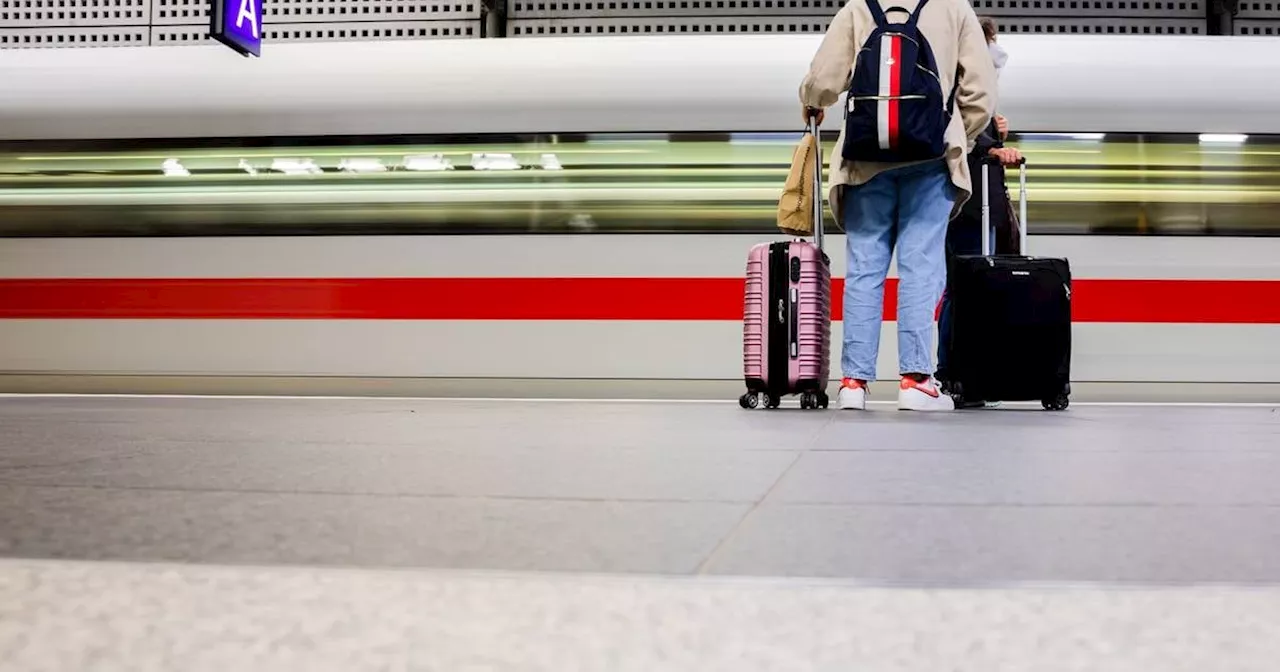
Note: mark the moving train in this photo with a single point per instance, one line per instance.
(570, 216)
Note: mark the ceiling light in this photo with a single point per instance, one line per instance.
(247, 167)
(1226, 138)
(1062, 136)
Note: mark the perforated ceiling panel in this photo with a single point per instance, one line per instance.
(73, 23)
(1156, 9)
(1107, 17)
(68, 13)
(109, 36)
(319, 32)
(1259, 9)
(1100, 26)
(1256, 27)
(85, 23)
(580, 9)
(670, 26)
(189, 12)
(532, 18)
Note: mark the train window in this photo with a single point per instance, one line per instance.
(1118, 183)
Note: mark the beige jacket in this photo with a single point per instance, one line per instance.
(953, 32)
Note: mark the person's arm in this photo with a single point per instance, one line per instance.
(987, 140)
(976, 88)
(831, 66)
(991, 143)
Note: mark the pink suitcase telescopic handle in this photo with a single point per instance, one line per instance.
(817, 182)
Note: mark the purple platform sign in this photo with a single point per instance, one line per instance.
(237, 24)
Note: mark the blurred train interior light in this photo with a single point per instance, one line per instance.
(1223, 138)
(486, 161)
(427, 162)
(174, 168)
(767, 138)
(296, 166)
(247, 167)
(551, 162)
(361, 166)
(1094, 137)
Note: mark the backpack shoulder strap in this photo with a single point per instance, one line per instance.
(915, 16)
(877, 14)
(951, 98)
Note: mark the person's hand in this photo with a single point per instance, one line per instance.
(811, 113)
(1002, 126)
(1006, 155)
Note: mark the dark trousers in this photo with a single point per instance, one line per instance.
(964, 237)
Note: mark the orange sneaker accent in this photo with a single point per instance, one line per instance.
(853, 384)
(908, 383)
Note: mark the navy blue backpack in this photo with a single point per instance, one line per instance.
(895, 111)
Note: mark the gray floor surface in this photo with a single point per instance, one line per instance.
(1165, 495)
(195, 534)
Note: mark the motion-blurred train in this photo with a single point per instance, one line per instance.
(571, 216)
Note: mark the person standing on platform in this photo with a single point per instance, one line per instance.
(964, 233)
(902, 205)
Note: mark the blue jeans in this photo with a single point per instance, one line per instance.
(906, 208)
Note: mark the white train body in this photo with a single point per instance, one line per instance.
(1188, 311)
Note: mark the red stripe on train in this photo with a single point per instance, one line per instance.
(1202, 301)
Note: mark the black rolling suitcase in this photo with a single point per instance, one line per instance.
(1011, 321)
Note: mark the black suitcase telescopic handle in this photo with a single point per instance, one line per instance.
(987, 162)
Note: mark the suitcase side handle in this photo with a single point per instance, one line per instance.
(987, 162)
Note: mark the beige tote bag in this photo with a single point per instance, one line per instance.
(795, 208)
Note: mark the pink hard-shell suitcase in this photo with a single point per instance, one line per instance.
(786, 326)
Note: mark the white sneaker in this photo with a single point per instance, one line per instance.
(853, 395)
(925, 396)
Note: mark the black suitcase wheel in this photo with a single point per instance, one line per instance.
(823, 400)
(771, 401)
(1058, 403)
(749, 400)
(955, 391)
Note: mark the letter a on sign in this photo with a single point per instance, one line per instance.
(237, 24)
(248, 13)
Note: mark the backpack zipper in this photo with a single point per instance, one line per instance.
(854, 99)
(931, 73)
(910, 96)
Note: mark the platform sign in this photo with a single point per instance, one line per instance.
(237, 24)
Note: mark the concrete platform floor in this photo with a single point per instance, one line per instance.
(976, 503)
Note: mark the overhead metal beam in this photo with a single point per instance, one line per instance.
(493, 18)
(1221, 15)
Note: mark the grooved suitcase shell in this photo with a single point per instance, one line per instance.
(810, 367)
